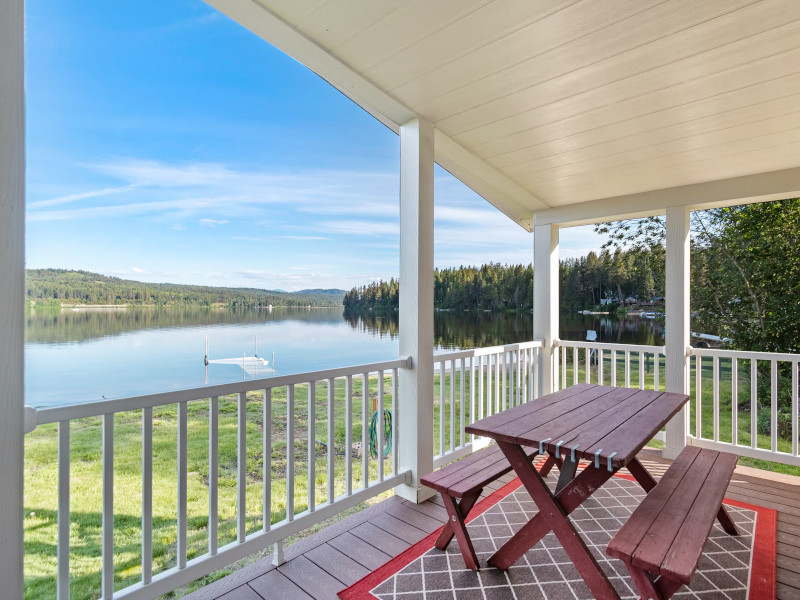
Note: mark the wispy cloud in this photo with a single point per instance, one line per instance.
(81, 196)
(213, 222)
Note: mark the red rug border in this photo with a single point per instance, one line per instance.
(764, 553)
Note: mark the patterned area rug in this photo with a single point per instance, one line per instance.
(732, 568)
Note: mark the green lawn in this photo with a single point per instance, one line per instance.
(41, 476)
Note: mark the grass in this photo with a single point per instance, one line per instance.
(41, 474)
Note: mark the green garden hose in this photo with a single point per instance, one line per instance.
(387, 434)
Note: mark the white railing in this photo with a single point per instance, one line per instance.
(608, 364)
(728, 411)
(339, 385)
(473, 384)
(750, 385)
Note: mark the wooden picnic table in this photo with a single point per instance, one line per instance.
(606, 426)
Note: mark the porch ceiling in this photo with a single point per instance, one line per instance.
(541, 105)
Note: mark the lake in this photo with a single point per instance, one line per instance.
(82, 356)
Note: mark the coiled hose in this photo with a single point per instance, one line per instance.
(387, 434)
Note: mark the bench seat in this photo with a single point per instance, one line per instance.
(662, 541)
(465, 480)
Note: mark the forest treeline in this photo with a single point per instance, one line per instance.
(496, 287)
(57, 286)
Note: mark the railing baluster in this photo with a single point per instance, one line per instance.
(497, 392)
(108, 507)
(574, 366)
(62, 555)
(312, 445)
(535, 375)
(147, 495)
(241, 464)
(489, 401)
(213, 474)
(627, 369)
(461, 406)
(471, 394)
(365, 414)
(600, 366)
(773, 430)
(588, 365)
(266, 439)
(290, 452)
(698, 398)
(656, 371)
(517, 354)
(348, 433)
(715, 375)
(641, 370)
(395, 421)
(614, 368)
(331, 438)
(480, 390)
(753, 403)
(563, 368)
(505, 381)
(795, 432)
(379, 428)
(734, 401)
(182, 481)
(441, 408)
(452, 405)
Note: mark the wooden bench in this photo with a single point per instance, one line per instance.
(465, 479)
(662, 541)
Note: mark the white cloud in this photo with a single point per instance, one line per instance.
(139, 271)
(213, 222)
(81, 196)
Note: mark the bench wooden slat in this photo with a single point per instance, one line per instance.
(627, 539)
(658, 539)
(485, 475)
(684, 554)
(449, 473)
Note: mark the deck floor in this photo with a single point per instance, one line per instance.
(321, 565)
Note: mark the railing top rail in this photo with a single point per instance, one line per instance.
(487, 350)
(746, 354)
(93, 409)
(606, 346)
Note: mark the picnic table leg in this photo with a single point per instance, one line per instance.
(641, 475)
(466, 504)
(648, 483)
(568, 470)
(553, 517)
(459, 527)
(548, 465)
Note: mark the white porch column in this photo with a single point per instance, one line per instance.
(677, 322)
(415, 420)
(12, 292)
(545, 299)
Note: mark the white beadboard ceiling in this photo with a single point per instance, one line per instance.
(541, 104)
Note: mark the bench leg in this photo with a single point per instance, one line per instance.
(466, 504)
(650, 588)
(458, 526)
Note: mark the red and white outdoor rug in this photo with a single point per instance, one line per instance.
(732, 568)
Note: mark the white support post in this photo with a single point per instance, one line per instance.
(677, 323)
(415, 419)
(545, 300)
(12, 291)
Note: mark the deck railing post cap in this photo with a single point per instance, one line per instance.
(29, 418)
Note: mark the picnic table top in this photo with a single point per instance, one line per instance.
(609, 424)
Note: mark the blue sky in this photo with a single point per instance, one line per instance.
(167, 143)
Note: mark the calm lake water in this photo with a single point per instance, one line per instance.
(81, 356)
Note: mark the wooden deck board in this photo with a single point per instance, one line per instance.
(371, 537)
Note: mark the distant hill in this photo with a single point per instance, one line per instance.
(60, 286)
